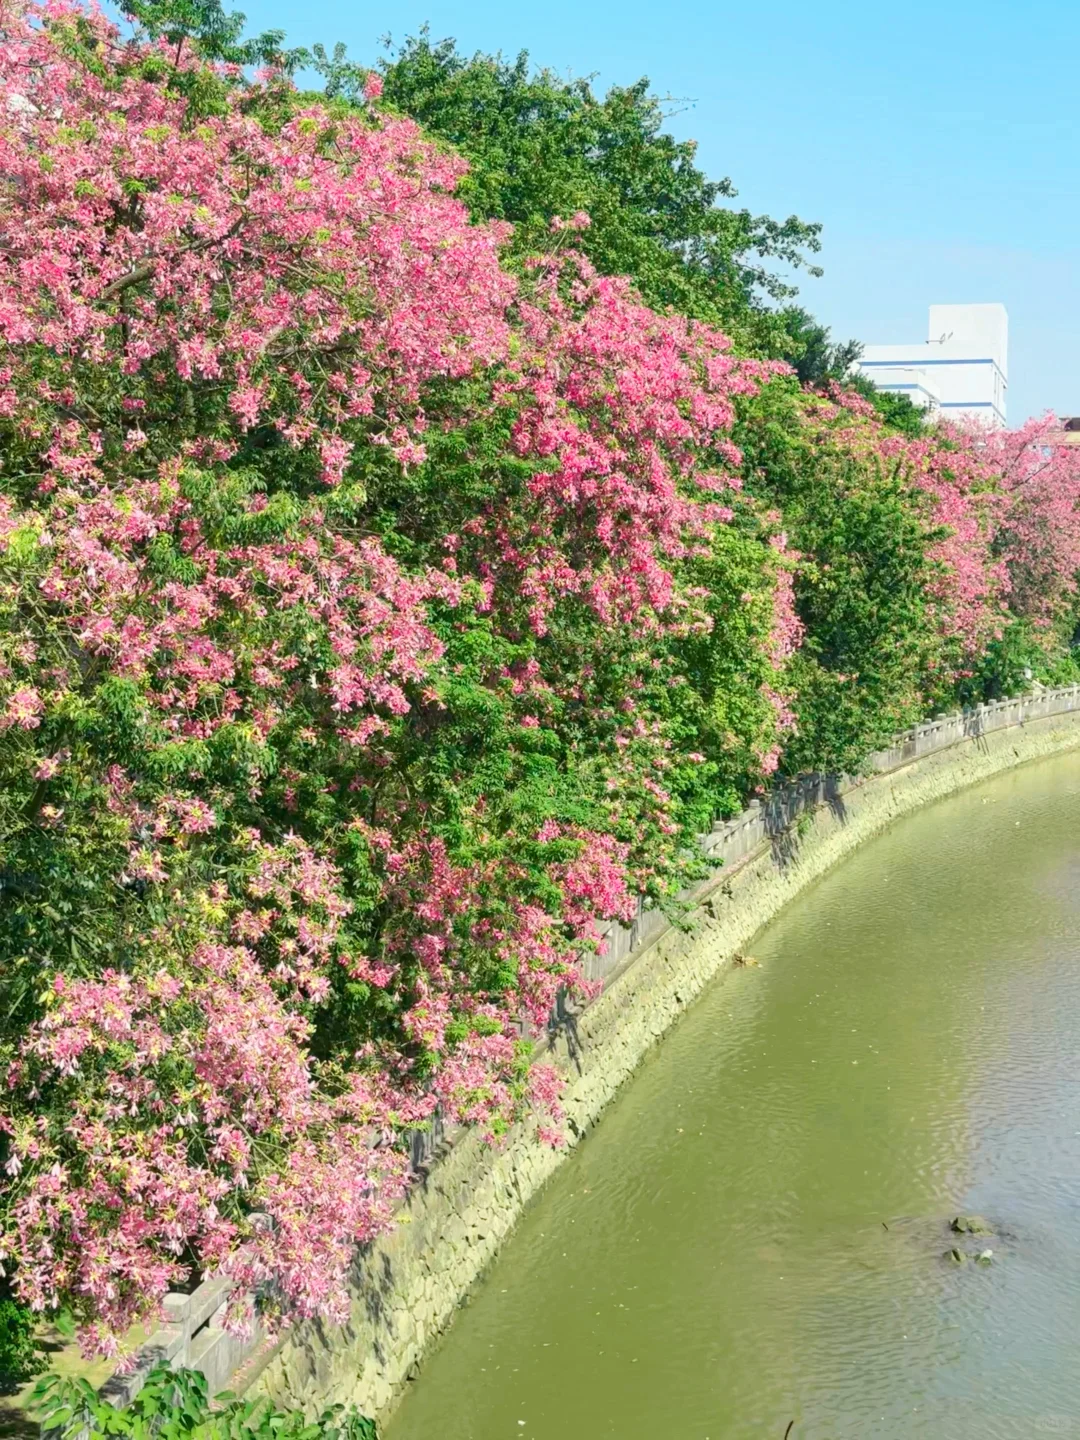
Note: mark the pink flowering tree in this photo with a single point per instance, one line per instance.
(376, 627)
(1039, 535)
(936, 563)
(345, 583)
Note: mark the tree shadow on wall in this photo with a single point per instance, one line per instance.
(974, 729)
(788, 811)
(563, 1023)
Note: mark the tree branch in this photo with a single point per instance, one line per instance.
(147, 268)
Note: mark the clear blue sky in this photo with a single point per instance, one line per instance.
(939, 145)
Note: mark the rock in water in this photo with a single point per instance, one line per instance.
(971, 1225)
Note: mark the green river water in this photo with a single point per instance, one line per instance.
(713, 1262)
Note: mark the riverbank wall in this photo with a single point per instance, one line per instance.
(468, 1195)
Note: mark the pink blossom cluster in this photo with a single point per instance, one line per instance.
(184, 1088)
(1039, 528)
(1007, 505)
(127, 227)
(621, 403)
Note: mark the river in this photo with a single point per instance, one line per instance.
(755, 1233)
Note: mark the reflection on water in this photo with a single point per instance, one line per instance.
(755, 1234)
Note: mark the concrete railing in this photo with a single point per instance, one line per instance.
(192, 1336)
(772, 819)
(192, 1333)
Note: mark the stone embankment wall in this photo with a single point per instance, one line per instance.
(468, 1196)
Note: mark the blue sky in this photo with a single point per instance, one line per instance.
(938, 145)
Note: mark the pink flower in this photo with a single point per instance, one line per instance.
(246, 403)
(194, 817)
(334, 454)
(24, 708)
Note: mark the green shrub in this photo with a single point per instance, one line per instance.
(174, 1404)
(20, 1357)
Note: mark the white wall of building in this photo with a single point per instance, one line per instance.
(962, 369)
(918, 383)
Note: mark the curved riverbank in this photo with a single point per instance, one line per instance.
(407, 1286)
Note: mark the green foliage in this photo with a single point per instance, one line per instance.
(1020, 655)
(711, 692)
(174, 1405)
(810, 349)
(217, 35)
(344, 79)
(541, 146)
(898, 412)
(872, 653)
(20, 1357)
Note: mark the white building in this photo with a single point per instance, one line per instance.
(962, 371)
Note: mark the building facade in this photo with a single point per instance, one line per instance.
(962, 369)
